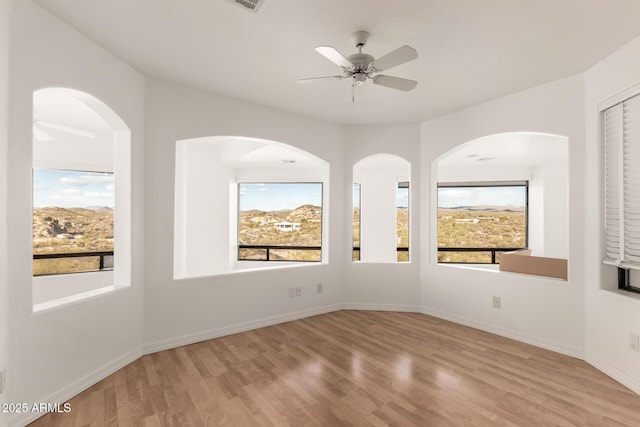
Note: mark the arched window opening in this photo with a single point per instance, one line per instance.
(81, 197)
(501, 193)
(381, 209)
(247, 203)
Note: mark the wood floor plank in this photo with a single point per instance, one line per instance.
(355, 368)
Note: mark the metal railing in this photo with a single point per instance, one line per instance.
(268, 256)
(101, 254)
(357, 249)
(494, 252)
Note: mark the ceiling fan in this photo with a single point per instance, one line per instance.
(359, 67)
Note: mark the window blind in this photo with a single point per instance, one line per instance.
(622, 184)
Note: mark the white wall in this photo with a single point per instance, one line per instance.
(188, 310)
(545, 312)
(383, 286)
(55, 354)
(202, 222)
(4, 138)
(610, 315)
(553, 177)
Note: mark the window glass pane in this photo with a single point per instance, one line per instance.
(280, 221)
(481, 216)
(402, 221)
(72, 214)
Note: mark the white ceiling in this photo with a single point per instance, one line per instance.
(470, 51)
(518, 149)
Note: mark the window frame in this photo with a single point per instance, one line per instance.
(494, 251)
(404, 185)
(355, 248)
(240, 246)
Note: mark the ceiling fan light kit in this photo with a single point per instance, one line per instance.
(361, 66)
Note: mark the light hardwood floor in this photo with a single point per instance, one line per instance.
(355, 368)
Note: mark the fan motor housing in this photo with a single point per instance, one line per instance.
(360, 60)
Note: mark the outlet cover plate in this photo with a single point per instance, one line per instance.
(495, 302)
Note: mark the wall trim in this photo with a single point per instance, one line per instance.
(507, 333)
(154, 347)
(78, 386)
(624, 378)
(380, 307)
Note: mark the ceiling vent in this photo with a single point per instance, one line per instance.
(252, 5)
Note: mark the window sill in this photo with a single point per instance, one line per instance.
(494, 268)
(58, 290)
(73, 299)
(623, 294)
(240, 267)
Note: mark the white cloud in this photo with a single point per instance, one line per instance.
(89, 179)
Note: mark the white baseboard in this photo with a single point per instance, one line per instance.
(380, 307)
(507, 333)
(170, 343)
(607, 368)
(78, 386)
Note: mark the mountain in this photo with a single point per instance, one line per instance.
(485, 208)
(81, 229)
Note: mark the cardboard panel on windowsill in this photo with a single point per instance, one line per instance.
(540, 266)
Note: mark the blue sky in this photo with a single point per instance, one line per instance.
(279, 196)
(71, 189)
(474, 196)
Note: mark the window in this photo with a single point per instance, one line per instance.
(479, 220)
(622, 194)
(356, 222)
(402, 221)
(81, 198)
(72, 221)
(280, 221)
(381, 209)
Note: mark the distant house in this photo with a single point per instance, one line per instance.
(287, 226)
(66, 236)
(467, 220)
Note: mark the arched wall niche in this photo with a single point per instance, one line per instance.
(538, 158)
(381, 209)
(208, 172)
(76, 133)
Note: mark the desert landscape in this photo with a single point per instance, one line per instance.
(260, 228)
(480, 227)
(70, 230)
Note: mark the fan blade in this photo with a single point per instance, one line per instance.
(334, 56)
(316, 79)
(393, 59)
(395, 82)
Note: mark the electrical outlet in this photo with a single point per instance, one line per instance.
(496, 302)
(298, 291)
(634, 342)
(319, 288)
(291, 292)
